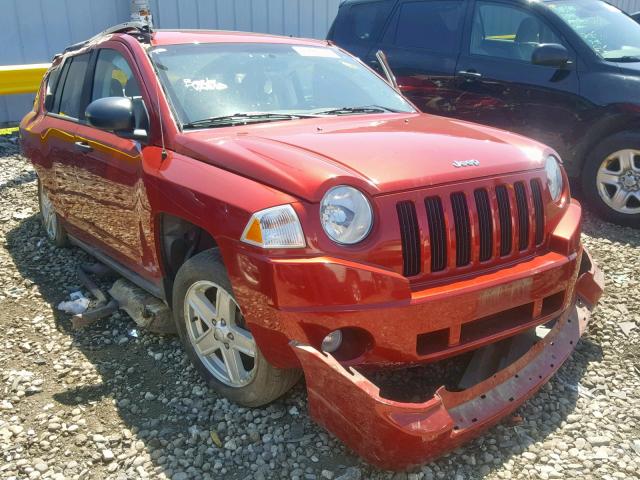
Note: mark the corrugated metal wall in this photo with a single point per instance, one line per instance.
(32, 31)
(630, 6)
(300, 18)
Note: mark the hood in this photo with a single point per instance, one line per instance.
(380, 154)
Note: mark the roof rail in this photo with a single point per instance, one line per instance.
(128, 27)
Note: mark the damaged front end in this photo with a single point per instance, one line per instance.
(396, 435)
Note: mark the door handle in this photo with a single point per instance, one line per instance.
(83, 147)
(470, 74)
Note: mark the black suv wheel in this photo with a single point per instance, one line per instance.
(611, 179)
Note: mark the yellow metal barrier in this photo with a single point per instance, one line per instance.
(16, 79)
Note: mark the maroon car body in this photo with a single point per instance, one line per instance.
(467, 245)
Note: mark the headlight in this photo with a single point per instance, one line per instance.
(554, 177)
(346, 215)
(276, 227)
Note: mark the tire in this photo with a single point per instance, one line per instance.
(611, 179)
(50, 219)
(203, 287)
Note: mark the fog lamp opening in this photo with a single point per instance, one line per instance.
(332, 342)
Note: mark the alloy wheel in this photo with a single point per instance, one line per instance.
(216, 330)
(618, 181)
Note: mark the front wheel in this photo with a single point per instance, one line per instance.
(611, 179)
(216, 338)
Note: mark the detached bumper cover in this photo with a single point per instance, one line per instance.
(395, 435)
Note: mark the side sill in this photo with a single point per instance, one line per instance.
(152, 288)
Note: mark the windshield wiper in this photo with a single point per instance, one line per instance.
(625, 58)
(363, 109)
(243, 119)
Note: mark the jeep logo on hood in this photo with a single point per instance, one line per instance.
(466, 163)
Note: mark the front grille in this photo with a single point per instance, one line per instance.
(476, 226)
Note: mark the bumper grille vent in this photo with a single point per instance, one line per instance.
(523, 216)
(410, 237)
(504, 211)
(485, 224)
(539, 210)
(437, 233)
(463, 229)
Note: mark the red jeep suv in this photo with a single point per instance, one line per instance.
(298, 214)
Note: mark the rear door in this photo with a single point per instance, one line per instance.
(116, 209)
(58, 138)
(422, 41)
(501, 87)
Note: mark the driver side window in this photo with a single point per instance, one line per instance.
(113, 78)
(508, 32)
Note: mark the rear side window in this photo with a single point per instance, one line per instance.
(50, 89)
(433, 25)
(54, 85)
(71, 85)
(52, 81)
(508, 32)
(361, 23)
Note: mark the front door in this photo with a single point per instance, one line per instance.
(422, 42)
(499, 85)
(116, 209)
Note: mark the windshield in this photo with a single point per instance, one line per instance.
(610, 33)
(267, 82)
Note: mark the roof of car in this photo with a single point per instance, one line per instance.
(172, 37)
(143, 33)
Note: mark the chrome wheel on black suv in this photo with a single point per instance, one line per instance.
(619, 181)
(611, 179)
(216, 338)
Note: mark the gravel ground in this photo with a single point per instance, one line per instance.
(103, 403)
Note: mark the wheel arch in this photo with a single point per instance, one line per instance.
(611, 123)
(178, 240)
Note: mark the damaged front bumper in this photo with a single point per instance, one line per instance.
(396, 435)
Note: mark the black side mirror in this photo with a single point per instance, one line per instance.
(115, 114)
(550, 55)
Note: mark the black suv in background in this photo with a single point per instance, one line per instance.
(565, 72)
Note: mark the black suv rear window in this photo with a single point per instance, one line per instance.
(432, 25)
(361, 22)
